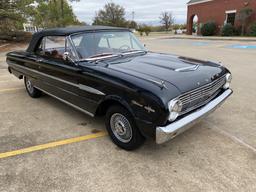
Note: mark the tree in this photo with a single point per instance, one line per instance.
(111, 15)
(62, 5)
(167, 20)
(13, 13)
(53, 13)
(244, 16)
(132, 25)
(42, 13)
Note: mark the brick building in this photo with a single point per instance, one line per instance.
(220, 11)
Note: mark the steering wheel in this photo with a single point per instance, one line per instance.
(125, 47)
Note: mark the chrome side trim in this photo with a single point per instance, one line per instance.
(90, 89)
(80, 86)
(66, 102)
(164, 134)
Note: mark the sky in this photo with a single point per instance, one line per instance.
(145, 11)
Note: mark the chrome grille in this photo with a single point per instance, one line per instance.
(199, 96)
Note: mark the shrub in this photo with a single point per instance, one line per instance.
(140, 30)
(253, 29)
(147, 30)
(144, 29)
(17, 36)
(228, 30)
(238, 31)
(209, 29)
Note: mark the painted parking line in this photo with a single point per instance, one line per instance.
(7, 81)
(10, 89)
(5, 76)
(52, 145)
(4, 45)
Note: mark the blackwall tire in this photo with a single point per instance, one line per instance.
(122, 128)
(31, 90)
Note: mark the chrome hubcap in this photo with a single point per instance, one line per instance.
(121, 127)
(29, 86)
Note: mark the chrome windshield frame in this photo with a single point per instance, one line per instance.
(73, 47)
(103, 57)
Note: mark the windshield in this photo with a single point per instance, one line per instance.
(105, 44)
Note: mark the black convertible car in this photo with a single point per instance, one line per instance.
(107, 71)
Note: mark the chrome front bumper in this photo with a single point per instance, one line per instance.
(164, 134)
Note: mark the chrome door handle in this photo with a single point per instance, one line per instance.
(39, 60)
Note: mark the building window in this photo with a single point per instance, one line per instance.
(231, 17)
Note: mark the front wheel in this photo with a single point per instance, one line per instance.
(31, 90)
(122, 128)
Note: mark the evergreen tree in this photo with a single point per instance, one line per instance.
(42, 13)
(54, 13)
(13, 13)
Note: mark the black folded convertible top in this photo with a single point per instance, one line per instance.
(64, 32)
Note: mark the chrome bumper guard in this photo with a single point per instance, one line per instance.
(164, 134)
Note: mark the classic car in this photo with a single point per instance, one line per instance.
(106, 71)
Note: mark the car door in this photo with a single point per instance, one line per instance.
(59, 77)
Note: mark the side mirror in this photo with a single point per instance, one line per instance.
(144, 45)
(67, 57)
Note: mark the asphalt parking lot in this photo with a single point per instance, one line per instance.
(48, 146)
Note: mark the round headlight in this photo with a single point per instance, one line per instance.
(228, 81)
(175, 107)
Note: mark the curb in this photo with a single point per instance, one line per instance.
(212, 38)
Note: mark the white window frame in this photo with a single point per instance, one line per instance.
(204, 1)
(228, 12)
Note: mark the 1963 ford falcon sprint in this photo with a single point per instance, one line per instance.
(107, 71)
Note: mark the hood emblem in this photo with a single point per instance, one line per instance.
(149, 109)
(136, 103)
(198, 83)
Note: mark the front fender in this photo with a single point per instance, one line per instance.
(147, 112)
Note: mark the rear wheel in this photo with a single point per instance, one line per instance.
(31, 90)
(122, 128)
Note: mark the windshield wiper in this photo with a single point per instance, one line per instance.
(133, 51)
(100, 56)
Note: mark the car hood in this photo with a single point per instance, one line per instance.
(184, 73)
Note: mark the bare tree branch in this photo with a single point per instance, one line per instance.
(167, 19)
